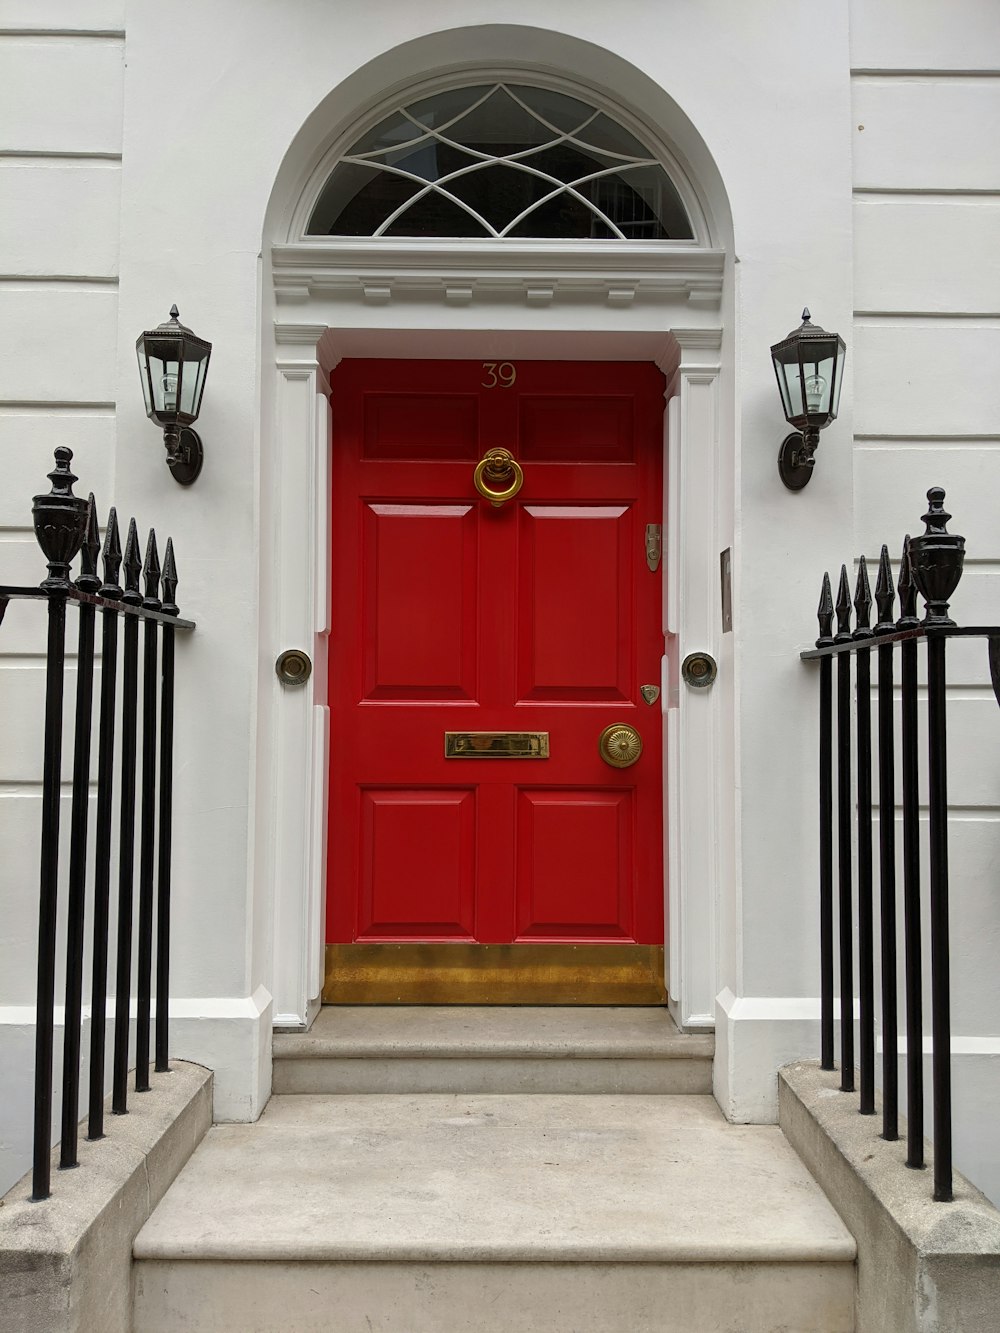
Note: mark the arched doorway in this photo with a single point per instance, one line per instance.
(491, 298)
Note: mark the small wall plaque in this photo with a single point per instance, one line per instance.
(726, 578)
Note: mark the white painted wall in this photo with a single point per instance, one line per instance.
(105, 218)
(60, 180)
(926, 113)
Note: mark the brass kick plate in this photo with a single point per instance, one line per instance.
(465, 973)
(496, 745)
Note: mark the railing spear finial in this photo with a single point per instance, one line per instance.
(885, 595)
(824, 614)
(133, 567)
(112, 559)
(907, 591)
(169, 582)
(151, 574)
(863, 602)
(89, 580)
(843, 608)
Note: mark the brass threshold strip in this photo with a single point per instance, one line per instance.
(463, 973)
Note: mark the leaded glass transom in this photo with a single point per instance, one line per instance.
(500, 160)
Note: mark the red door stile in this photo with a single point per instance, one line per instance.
(450, 614)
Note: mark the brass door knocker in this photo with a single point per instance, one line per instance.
(498, 466)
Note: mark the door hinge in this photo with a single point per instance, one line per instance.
(654, 544)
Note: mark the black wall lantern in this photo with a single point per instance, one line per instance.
(809, 364)
(173, 364)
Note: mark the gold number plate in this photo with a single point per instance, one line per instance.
(496, 745)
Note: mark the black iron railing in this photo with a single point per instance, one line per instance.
(66, 525)
(931, 565)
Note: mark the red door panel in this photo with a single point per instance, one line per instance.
(400, 828)
(575, 865)
(575, 609)
(450, 614)
(419, 604)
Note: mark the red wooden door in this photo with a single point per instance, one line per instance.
(453, 615)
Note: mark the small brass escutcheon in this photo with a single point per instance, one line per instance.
(654, 546)
(699, 670)
(620, 745)
(293, 667)
(496, 745)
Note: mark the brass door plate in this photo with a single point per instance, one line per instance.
(496, 745)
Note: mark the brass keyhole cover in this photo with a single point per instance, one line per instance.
(620, 745)
(499, 465)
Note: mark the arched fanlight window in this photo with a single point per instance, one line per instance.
(500, 160)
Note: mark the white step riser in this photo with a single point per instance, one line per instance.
(218, 1297)
(479, 1075)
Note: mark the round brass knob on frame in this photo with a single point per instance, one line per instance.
(620, 745)
(498, 466)
(699, 670)
(293, 667)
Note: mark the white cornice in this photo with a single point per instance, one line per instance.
(298, 335)
(465, 272)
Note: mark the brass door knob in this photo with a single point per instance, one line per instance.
(620, 745)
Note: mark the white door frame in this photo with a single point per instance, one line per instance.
(657, 301)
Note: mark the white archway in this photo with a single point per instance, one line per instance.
(669, 302)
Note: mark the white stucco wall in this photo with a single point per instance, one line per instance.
(111, 208)
(926, 341)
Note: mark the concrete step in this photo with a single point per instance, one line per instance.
(454, 1213)
(441, 1048)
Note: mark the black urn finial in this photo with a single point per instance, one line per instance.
(936, 560)
(169, 582)
(863, 602)
(885, 595)
(60, 520)
(843, 634)
(824, 614)
(907, 591)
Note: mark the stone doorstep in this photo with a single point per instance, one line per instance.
(65, 1263)
(923, 1267)
(615, 1212)
(439, 1048)
(278, 1297)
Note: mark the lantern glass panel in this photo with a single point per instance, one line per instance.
(192, 386)
(838, 383)
(818, 364)
(144, 377)
(790, 384)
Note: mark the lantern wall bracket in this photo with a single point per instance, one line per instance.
(797, 458)
(185, 454)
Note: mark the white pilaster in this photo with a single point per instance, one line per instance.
(297, 779)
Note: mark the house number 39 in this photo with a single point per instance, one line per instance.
(500, 374)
